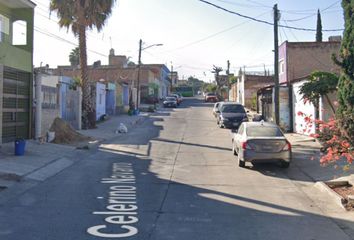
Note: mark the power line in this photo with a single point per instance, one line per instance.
(291, 31)
(243, 5)
(310, 10)
(47, 33)
(265, 22)
(213, 35)
(322, 11)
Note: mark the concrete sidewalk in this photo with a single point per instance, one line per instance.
(306, 159)
(41, 161)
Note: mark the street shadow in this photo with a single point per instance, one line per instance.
(172, 202)
(170, 209)
(192, 144)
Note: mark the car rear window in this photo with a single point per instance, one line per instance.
(210, 94)
(170, 99)
(263, 131)
(230, 108)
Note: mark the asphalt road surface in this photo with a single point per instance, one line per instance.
(173, 177)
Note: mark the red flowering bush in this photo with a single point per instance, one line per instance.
(336, 145)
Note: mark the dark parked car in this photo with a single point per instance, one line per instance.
(211, 97)
(231, 115)
(170, 102)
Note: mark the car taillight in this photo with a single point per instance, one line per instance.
(287, 146)
(245, 146)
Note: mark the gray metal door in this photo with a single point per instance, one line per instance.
(16, 104)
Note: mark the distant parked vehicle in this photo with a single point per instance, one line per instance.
(216, 108)
(261, 142)
(170, 102)
(230, 115)
(179, 97)
(178, 100)
(211, 97)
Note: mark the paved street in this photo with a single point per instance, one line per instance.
(172, 177)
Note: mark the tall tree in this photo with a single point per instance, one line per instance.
(319, 27)
(320, 84)
(80, 15)
(216, 71)
(74, 57)
(345, 112)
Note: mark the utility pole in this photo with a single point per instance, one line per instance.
(276, 65)
(228, 80)
(171, 77)
(138, 84)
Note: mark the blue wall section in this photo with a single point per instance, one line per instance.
(111, 99)
(100, 100)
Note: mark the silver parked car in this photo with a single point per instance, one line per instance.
(261, 142)
(170, 102)
(216, 108)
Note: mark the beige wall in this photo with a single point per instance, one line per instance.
(304, 58)
(251, 85)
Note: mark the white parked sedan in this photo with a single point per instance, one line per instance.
(216, 108)
(261, 142)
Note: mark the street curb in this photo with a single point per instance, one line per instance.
(323, 187)
(10, 177)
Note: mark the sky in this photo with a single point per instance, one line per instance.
(195, 35)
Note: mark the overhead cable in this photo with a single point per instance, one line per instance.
(266, 22)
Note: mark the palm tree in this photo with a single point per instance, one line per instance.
(74, 57)
(80, 15)
(219, 83)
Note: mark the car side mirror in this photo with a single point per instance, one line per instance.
(217, 111)
(247, 111)
(234, 130)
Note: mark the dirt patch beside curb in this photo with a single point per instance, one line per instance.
(65, 134)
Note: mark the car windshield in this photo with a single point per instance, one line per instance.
(170, 99)
(262, 131)
(210, 94)
(232, 108)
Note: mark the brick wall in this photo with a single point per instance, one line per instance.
(304, 58)
(251, 85)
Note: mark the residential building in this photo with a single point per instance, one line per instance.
(16, 69)
(297, 60)
(247, 86)
(300, 107)
(153, 80)
(162, 73)
(174, 78)
(58, 97)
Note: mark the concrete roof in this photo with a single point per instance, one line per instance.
(18, 3)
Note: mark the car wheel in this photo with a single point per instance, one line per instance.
(284, 164)
(240, 162)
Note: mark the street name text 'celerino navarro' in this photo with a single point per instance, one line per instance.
(121, 205)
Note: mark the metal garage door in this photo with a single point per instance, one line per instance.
(16, 104)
